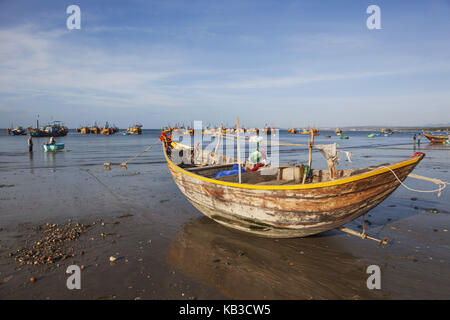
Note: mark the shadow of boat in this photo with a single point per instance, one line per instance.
(244, 266)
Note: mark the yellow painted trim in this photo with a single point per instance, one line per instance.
(293, 187)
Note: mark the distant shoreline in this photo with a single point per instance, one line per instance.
(368, 128)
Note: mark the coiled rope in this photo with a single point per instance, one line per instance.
(442, 184)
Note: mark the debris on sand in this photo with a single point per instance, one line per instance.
(125, 215)
(52, 246)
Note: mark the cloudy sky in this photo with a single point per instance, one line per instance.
(286, 63)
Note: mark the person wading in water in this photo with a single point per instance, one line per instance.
(30, 143)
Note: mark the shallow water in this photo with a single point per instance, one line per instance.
(217, 262)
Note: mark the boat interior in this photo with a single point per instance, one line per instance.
(283, 175)
(207, 164)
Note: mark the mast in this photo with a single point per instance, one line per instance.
(238, 149)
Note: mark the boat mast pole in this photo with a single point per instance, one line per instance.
(238, 149)
(310, 145)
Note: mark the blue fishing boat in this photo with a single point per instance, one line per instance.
(53, 147)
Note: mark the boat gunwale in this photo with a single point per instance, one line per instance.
(341, 181)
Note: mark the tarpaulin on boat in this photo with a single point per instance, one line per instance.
(233, 171)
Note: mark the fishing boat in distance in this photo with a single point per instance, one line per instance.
(386, 132)
(53, 129)
(95, 129)
(279, 203)
(17, 131)
(83, 130)
(134, 130)
(436, 139)
(314, 131)
(109, 130)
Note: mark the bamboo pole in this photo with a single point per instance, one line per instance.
(363, 235)
(310, 145)
(310, 154)
(219, 138)
(238, 149)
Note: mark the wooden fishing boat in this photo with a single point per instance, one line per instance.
(436, 139)
(277, 204)
(53, 147)
(95, 129)
(310, 131)
(83, 130)
(17, 131)
(54, 129)
(109, 130)
(136, 130)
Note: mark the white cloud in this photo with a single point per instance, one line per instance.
(50, 70)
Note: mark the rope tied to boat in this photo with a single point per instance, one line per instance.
(124, 164)
(442, 184)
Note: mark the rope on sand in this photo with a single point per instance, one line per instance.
(442, 184)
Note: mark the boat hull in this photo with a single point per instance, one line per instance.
(436, 139)
(290, 211)
(43, 134)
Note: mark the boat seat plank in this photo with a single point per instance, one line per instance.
(203, 168)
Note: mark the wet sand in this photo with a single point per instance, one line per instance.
(166, 249)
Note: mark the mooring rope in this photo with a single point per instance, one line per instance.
(139, 154)
(442, 184)
(124, 164)
(118, 197)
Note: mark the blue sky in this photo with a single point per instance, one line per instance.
(286, 63)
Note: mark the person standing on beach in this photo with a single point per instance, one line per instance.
(414, 138)
(418, 139)
(30, 143)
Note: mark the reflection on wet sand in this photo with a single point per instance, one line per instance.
(243, 266)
